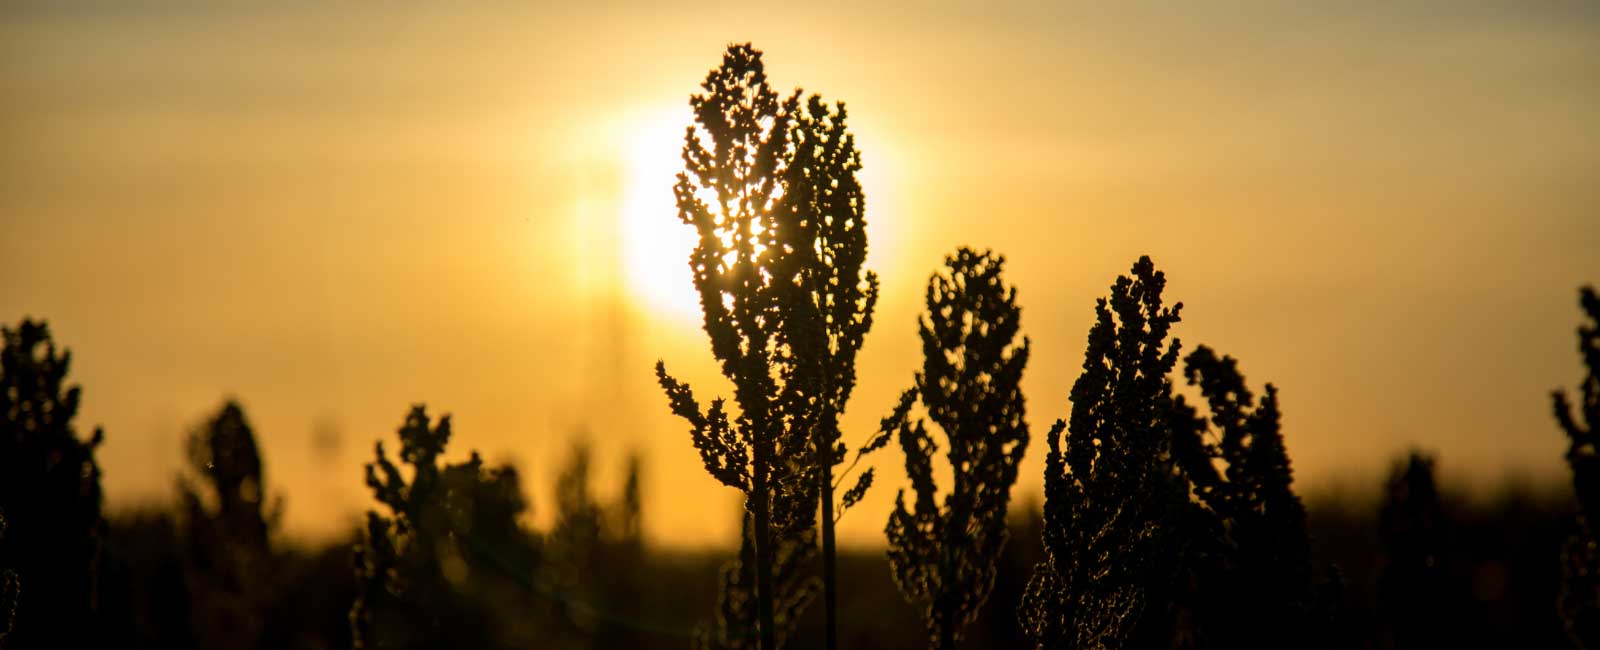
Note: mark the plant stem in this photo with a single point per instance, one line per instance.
(830, 586)
(762, 496)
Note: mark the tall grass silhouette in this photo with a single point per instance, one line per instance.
(943, 554)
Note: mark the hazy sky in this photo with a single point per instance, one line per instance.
(333, 213)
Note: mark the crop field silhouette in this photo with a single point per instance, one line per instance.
(777, 478)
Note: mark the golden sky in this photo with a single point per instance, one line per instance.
(335, 212)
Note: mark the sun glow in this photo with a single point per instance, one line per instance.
(655, 244)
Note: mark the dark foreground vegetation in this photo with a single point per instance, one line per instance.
(1495, 585)
(1169, 520)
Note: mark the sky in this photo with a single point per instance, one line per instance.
(334, 211)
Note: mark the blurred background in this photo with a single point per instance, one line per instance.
(332, 212)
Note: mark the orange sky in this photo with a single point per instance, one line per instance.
(333, 213)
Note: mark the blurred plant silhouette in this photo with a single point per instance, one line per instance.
(770, 187)
(231, 573)
(49, 496)
(943, 558)
(620, 568)
(579, 517)
(1115, 500)
(594, 555)
(1580, 562)
(1414, 590)
(448, 565)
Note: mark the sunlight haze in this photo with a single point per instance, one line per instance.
(334, 212)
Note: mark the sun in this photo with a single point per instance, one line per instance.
(655, 243)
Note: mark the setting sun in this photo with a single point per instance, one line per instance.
(655, 244)
(384, 331)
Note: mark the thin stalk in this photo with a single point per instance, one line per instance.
(830, 582)
(763, 542)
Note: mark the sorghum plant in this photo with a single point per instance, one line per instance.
(1413, 592)
(943, 557)
(1580, 584)
(735, 627)
(770, 188)
(821, 244)
(1256, 586)
(427, 569)
(593, 556)
(1115, 500)
(229, 559)
(49, 495)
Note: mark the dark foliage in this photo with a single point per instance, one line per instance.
(448, 564)
(770, 187)
(1253, 561)
(150, 605)
(211, 576)
(736, 626)
(231, 570)
(145, 582)
(1115, 502)
(1580, 561)
(49, 498)
(1166, 527)
(817, 257)
(575, 539)
(1494, 562)
(944, 557)
(174, 583)
(593, 557)
(1420, 598)
(727, 192)
(1501, 555)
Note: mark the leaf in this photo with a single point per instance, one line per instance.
(853, 495)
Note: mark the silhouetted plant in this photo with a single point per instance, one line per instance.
(820, 246)
(943, 558)
(628, 521)
(1414, 595)
(619, 571)
(594, 553)
(771, 190)
(49, 494)
(230, 571)
(1256, 589)
(427, 571)
(735, 627)
(1114, 498)
(579, 517)
(1580, 584)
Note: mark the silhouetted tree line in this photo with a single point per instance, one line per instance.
(1169, 518)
